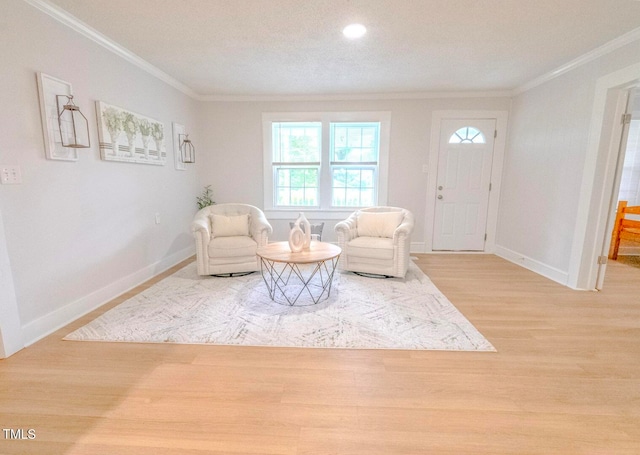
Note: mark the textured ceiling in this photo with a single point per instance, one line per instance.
(295, 47)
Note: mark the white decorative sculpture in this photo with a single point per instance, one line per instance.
(306, 227)
(298, 239)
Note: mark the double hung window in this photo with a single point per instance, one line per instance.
(354, 163)
(296, 163)
(325, 161)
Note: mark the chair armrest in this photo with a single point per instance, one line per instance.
(404, 230)
(260, 228)
(202, 232)
(200, 225)
(347, 230)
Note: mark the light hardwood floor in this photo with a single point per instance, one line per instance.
(565, 380)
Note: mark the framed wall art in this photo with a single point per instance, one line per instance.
(178, 130)
(130, 137)
(48, 88)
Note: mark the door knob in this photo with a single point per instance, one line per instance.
(439, 196)
(440, 187)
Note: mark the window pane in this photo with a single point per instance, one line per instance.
(467, 135)
(353, 178)
(311, 177)
(283, 196)
(296, 142)
(339, 178)
(354, 137)
(355, 142)
(283, 178)
(367, 178)
(369, 155)
(367, 198)
(340, 137)
(297, 186)
(353, 186)
(338, 198)
(353, 197)
(297, 178)
(297, 196)
(369, 137)
(310, 196)
(340, 154)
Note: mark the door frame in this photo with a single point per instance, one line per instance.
(598, 180)
(497, 162)
(619, 136)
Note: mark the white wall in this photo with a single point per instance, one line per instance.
(233, 165)
(79, 233)
(11, 339)
(543, 173)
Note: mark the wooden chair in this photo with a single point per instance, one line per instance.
(624, 229)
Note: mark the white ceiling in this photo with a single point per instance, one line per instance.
(296, 48)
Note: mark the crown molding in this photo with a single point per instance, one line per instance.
(85, 30)
(362, 96)
(606, 48)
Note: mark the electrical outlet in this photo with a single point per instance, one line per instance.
(157, 218)
(10, 175)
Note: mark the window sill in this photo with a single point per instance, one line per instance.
(310, 213)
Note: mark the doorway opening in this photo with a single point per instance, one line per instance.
(624, 246)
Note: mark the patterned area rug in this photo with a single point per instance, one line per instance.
(361, 312)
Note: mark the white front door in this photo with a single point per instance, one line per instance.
(463, 180)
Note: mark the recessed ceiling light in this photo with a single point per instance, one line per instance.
(354, 31)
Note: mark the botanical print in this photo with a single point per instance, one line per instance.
(126, 136)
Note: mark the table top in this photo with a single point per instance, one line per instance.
(317, 252)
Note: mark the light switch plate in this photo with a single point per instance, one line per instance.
(10, 175)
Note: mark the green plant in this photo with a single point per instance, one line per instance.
(130, 124)
(157, 132)
(145, 127)
(112, 119)
(204, 200)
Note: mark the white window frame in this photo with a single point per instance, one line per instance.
(279, 165)
(326, 118)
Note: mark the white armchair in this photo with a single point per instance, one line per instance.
(376, 240)
(227, 237)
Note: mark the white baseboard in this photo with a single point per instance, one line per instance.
(538, 267)
(417, 247)
(49, 323)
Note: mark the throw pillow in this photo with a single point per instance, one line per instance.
(378, 224)
(229, 226)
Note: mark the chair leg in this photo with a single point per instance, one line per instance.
(614, 247)
(615, 235)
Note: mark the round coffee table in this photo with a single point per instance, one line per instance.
(288, 275)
